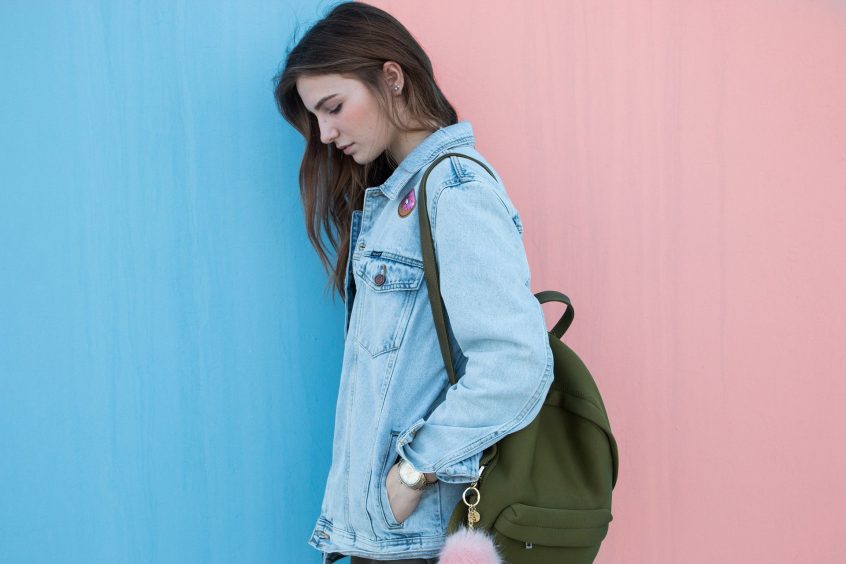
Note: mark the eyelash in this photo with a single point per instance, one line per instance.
(336, 110)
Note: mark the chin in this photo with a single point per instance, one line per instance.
(361, 159)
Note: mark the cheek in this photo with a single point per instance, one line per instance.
(363, 120)
(354, 116)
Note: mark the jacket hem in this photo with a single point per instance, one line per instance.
(329, 539)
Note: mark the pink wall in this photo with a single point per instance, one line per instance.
(680, 168)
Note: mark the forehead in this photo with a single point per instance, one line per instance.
(313, 88)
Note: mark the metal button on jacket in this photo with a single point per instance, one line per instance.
(379, 279)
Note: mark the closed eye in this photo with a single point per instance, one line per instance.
(336, 110)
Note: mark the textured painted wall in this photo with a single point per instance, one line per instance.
(680, 168)
(167, 353)
(168, 359)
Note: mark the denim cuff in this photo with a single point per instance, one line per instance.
(466, 470)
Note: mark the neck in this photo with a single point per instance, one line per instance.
(405, 142)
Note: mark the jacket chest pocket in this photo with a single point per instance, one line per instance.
(388, 286)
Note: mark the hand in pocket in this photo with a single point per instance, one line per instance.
(402, 499)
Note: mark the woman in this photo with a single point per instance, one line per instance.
(361, 91)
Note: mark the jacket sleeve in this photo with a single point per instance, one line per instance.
(499, 326)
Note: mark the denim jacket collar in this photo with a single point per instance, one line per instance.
(460, 133)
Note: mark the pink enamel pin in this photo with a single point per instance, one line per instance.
(406, 205)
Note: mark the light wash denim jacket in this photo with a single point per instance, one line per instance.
(394, 397)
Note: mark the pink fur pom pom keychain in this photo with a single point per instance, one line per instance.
(469, 546)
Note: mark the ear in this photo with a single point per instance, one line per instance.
(393, 75)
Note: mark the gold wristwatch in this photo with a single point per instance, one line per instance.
(412, 478)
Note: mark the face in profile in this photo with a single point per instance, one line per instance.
(348, 115)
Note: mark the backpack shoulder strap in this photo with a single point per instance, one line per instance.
(430, 265)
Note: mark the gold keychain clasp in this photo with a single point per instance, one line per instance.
(473, 515)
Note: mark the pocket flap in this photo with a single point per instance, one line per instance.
(384, 271)
(554, 527)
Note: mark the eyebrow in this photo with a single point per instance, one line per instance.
(320, 103)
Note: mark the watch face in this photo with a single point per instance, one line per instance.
(408, 474)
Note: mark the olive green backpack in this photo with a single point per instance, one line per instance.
(544, 492)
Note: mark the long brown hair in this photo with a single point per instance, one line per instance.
(354, 40)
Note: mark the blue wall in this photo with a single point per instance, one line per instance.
(168, 356)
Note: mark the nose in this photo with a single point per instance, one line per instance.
(327, 132)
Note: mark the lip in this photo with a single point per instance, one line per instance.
(346, 148)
